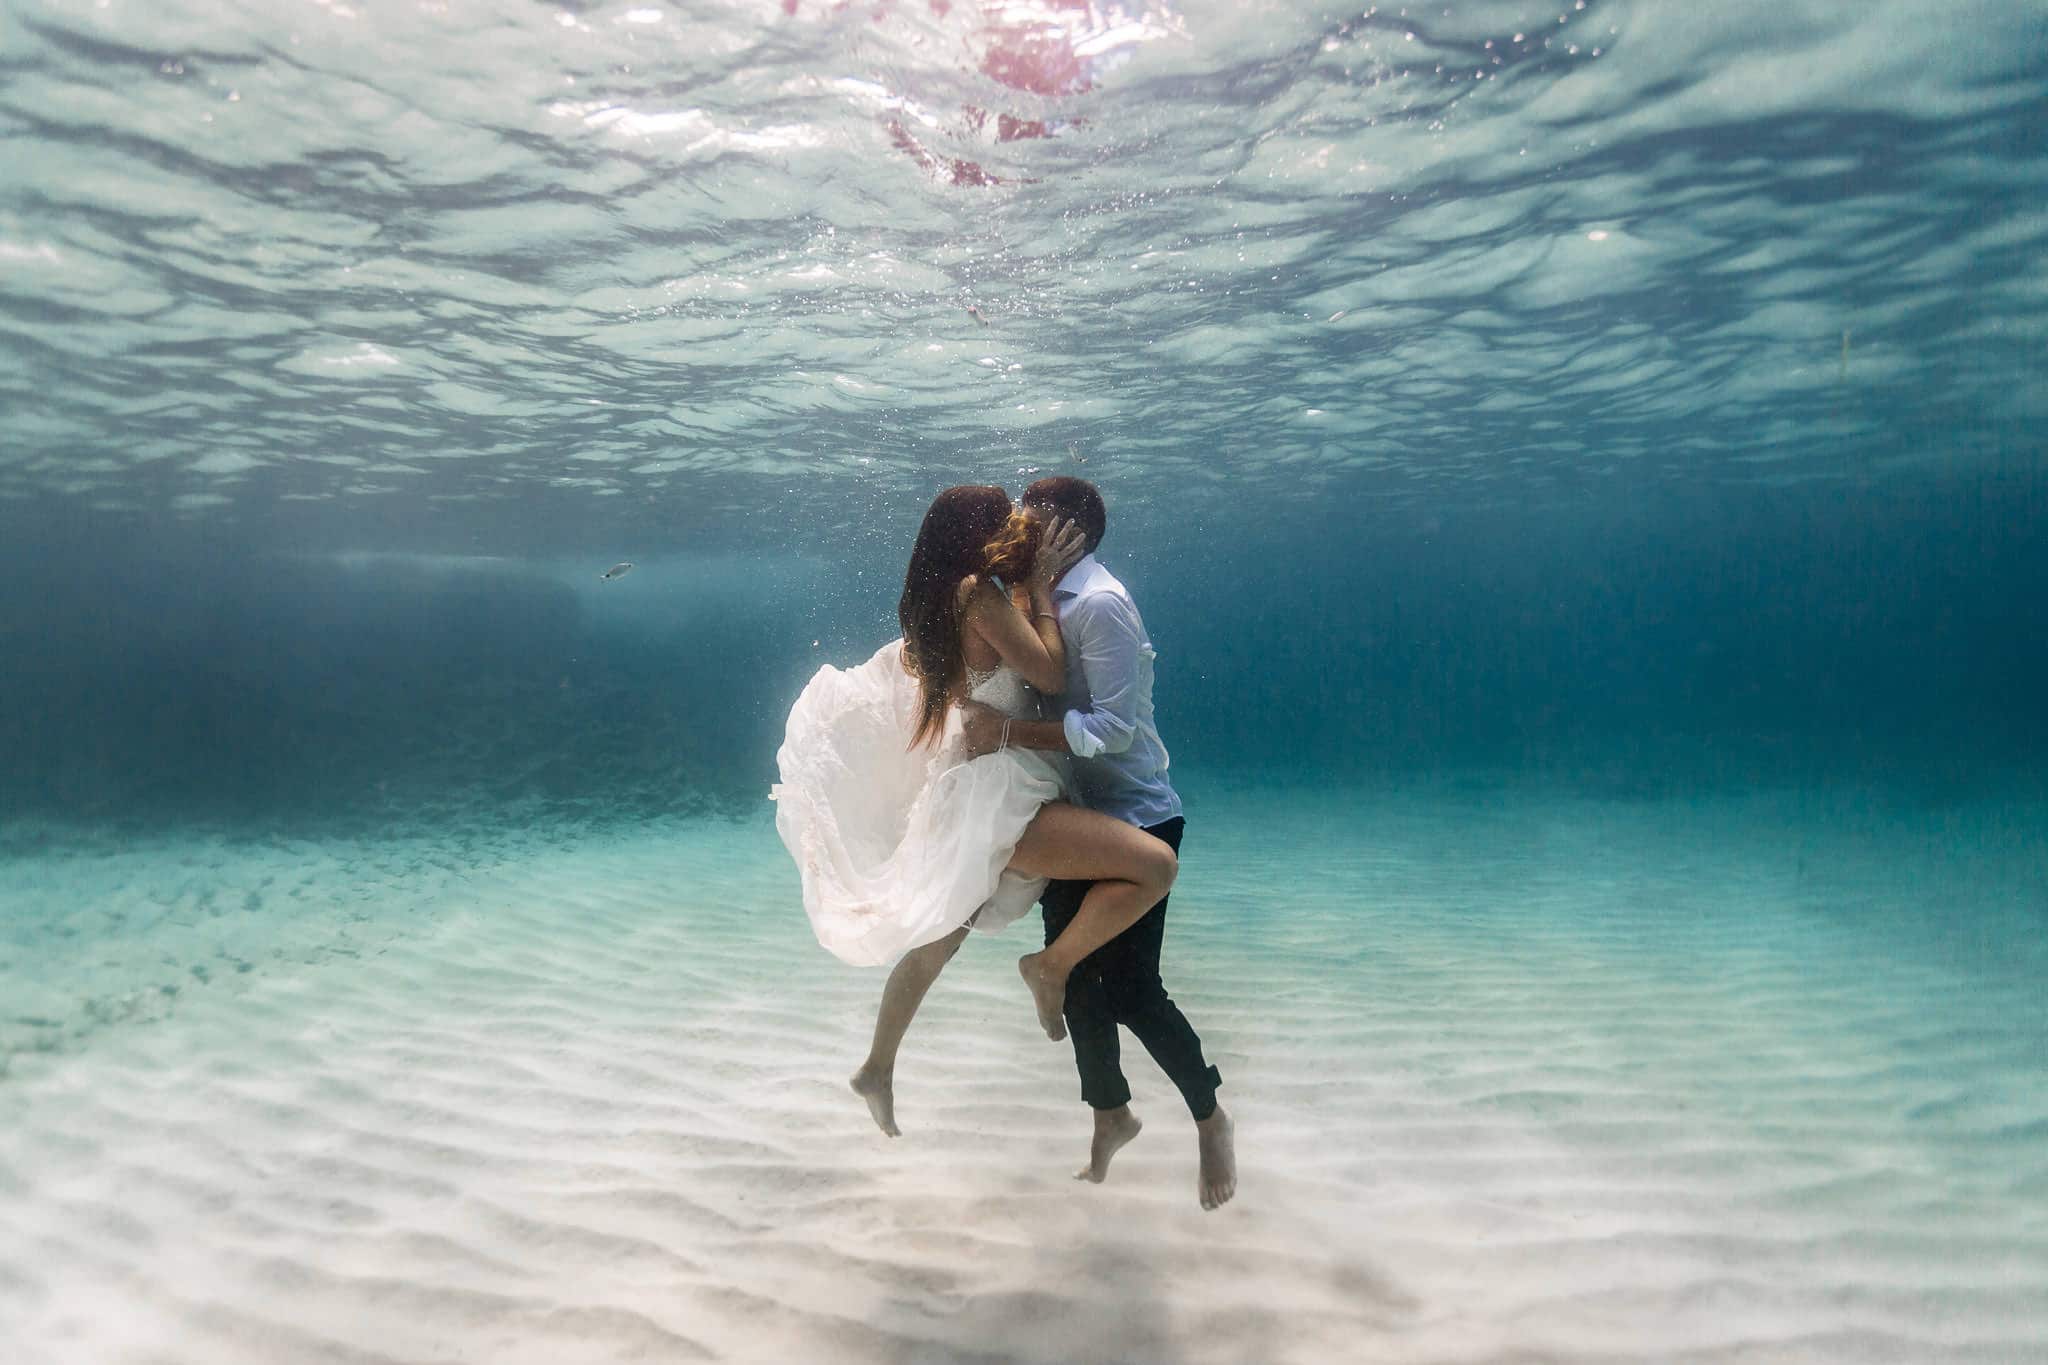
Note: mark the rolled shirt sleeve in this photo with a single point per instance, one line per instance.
(1106, 629)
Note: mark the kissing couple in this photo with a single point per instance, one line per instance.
(1003, 753)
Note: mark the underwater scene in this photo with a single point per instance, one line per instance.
(1574, 493)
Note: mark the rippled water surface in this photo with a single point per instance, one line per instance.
(413, 273)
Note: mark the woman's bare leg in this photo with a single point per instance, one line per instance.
(875, 1082)
(1132, 872)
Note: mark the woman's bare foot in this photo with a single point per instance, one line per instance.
(1113, 1128)
(1219, 1159)
(1047, 993)
(878, 1088)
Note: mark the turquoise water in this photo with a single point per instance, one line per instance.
(1582, 469)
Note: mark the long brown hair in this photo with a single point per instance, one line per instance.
(968, 530)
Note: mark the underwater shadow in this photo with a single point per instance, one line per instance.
(1134, 1288)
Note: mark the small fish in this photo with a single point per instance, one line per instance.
(975, 313)
(617, 571)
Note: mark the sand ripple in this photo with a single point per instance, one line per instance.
(1516, 1081)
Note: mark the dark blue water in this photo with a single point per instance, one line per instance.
(1739, 638)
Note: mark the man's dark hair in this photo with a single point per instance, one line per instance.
(1075, 499)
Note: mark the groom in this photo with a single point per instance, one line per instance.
(1119, 769)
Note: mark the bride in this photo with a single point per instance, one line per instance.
(904, 842)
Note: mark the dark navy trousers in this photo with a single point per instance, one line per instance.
(1119, 984)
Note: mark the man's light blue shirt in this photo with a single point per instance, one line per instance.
(1119, 761)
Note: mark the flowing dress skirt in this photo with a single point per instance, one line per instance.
(898, 846)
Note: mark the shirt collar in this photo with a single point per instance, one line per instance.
(1077, 580)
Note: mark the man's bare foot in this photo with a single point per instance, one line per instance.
(879, 1090)
(1113, 1128)
(1219, 1159)
(1048, 995)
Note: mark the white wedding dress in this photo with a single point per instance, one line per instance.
(898, 846)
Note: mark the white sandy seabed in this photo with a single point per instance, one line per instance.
(1516, 1078)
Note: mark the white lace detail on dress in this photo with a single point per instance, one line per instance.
(1003, 688)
